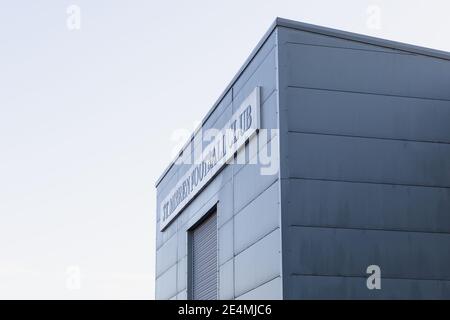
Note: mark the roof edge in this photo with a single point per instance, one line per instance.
(363, 38)
(281, 22)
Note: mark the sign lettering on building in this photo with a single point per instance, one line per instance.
(242, 126)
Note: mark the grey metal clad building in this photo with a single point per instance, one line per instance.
(331, 154)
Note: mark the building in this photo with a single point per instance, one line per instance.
(328, 176)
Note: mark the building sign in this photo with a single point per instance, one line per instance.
(241, 127)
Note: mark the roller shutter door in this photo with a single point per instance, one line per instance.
(204, 260)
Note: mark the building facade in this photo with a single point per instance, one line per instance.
(322, 172)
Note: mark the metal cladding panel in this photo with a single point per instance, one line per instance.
(258, 264)
(204, 260)
(225, 242)
(368, 115)
(343, 204)
(226, 280)
(182, 274)
(225, 203)
(168, 256)
(268, 291)
(166, 284)
(348, 252)
(331, 157)
(264, 211)
(182, 295)
(329, 287)
(368, 71)
(243, 194)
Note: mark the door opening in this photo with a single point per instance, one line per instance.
(203, 256)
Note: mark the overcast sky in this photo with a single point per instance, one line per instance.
(87, 111)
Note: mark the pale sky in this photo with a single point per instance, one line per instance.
(87, 116)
